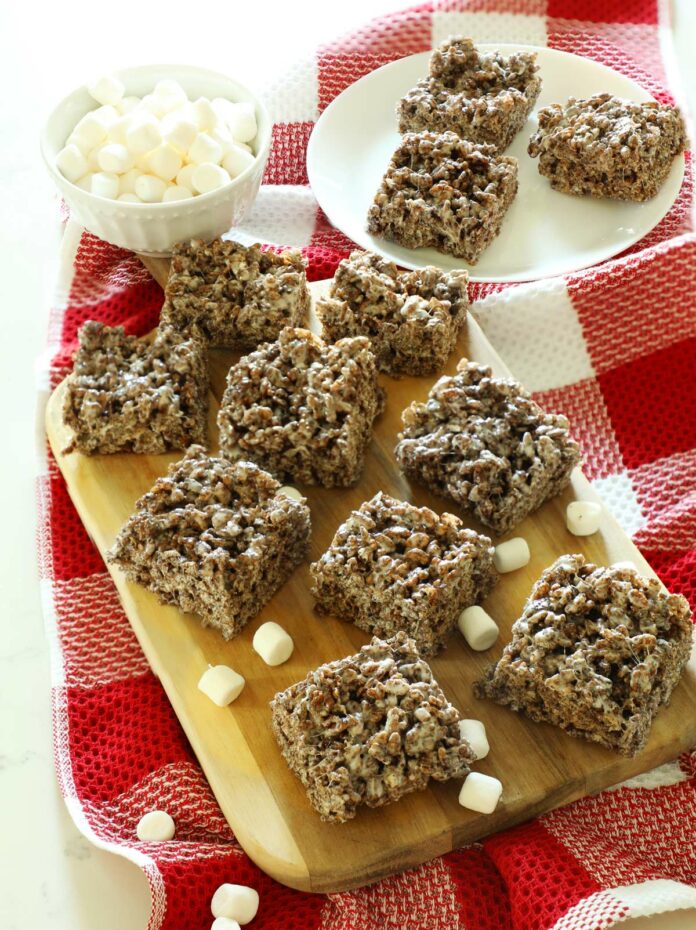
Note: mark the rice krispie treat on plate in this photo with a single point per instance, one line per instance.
(392, 566)
(444, 192)
(412, 318)
(303, 408)
(484, 443)
(236, 296)
(596, 652)
(125, 394)
(368, 729)
(214, 538)
(608, 147)
(484, 97)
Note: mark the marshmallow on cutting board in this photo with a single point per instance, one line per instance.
(478, 628)
(480, 793)
(474, 732)
(221, 684)
(582, 517)
(272, 643)
(512, 554)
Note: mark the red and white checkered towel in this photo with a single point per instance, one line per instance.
(613, 347)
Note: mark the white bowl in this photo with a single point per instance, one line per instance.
(156, 228)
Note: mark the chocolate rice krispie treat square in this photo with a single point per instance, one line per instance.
(596, 652)
(303, 408)
(484, 443)
(392, 566)
(484, 97)
(412, 318)
(237, 296)
(608, 147)
(128, 395)
(214, 538)
(368, 729)
(444, 192)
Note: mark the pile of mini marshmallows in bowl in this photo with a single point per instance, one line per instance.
(159, 148)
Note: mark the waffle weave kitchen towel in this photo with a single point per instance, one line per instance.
(614, 348)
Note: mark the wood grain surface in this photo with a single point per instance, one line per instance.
(540, 767)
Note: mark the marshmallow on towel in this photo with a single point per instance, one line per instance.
(155, 827)
(236, 902)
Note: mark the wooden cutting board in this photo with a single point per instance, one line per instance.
(539, 766)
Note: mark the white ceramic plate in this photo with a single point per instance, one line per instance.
(545, 233)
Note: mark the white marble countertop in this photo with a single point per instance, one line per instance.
(52, 876)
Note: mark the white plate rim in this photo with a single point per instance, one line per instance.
(514, 278)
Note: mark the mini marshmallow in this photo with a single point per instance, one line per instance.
(144, 134)
(181, 134)
(236, 160)
(242, 121)
(89, 131)
(127, 104)
(221, 684)
(272, 643)
(175, 192)
(142, 163)
(474, 732)
(150, 188)
(106, 89)
(224, 923)
(236, 902)
(582, 517)
(478, 628)
(105, 185)
(106, 115)
(118, 130)
(126, 182)
(205, 116)
(625, 566)
(224, 109)
(222, 136)
(185, 177)
(93, 158)
(171, 93)
(209, 177)
(164, 161)
(511, 555)
(204, 149)
(71, 163)
(115, 158)
(129, 197)
(289, 491)
(157, 106)
(85, 182)
(155, 827)
(480, 793)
